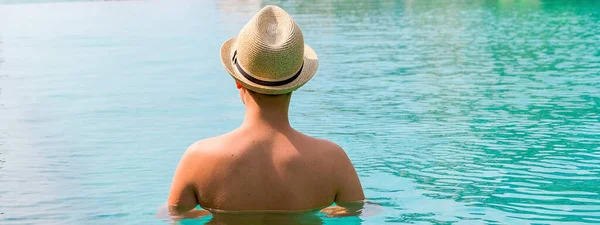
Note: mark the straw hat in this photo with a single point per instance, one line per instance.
(269, 55)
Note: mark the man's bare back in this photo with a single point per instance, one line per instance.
(254, 168)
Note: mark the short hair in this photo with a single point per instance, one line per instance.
(269, 95)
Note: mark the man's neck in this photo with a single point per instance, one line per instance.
(268, 116)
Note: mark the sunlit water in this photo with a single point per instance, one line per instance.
(453, 112)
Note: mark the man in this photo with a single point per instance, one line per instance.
(265, 165)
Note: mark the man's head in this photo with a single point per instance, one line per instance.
(269, 56)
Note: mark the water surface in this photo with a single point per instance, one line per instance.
(453, 112)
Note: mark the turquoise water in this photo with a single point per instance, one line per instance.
(453, 112)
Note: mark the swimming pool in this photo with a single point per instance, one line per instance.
(462, 112)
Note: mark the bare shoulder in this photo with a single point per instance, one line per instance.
(191, 174)
(343, 174)
(200, 158)
(330, 148)
(202, 146)
(193, 153)
(329, 151)
(205, 150)
(208, 146)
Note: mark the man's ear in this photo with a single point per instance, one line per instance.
(238, 85)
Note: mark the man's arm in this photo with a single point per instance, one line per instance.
(350, 189)
(182, 197)
(350, 197)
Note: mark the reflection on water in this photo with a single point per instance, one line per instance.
(308, 218)
(334, 213)
(466, 112)
(257, 219)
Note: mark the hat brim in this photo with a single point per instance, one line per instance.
(311, 63)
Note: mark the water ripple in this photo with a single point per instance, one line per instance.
(472, 112)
